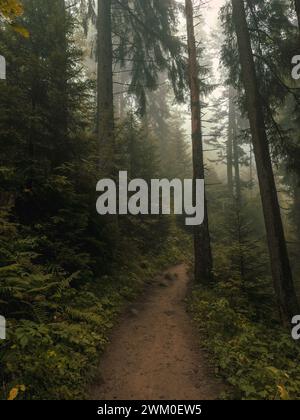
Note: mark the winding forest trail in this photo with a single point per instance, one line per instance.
(154, 352)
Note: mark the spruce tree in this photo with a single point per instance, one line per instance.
(281, 271)
(202, 246)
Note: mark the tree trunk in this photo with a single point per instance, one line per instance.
(281, 271)
(203, 255)
(297, 8)
(230, 144)
(62, 59)
(105, 107)
(237, 193)
(296, 212)
(236, 159)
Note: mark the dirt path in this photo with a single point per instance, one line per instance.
(153, 352)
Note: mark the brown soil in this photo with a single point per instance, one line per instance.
(154, 352)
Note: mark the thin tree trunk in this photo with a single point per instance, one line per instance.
(203, 255)
(105, 106)
(251, 171)
(234, 149)
(63, 67)
(281, 271)
(297, 210)
(237, 178)
(230, 144)
(297, 186)
(236, 159)
(238, 194)
(297, 8)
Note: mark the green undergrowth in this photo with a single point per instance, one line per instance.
(257, 359)
(59, 330)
